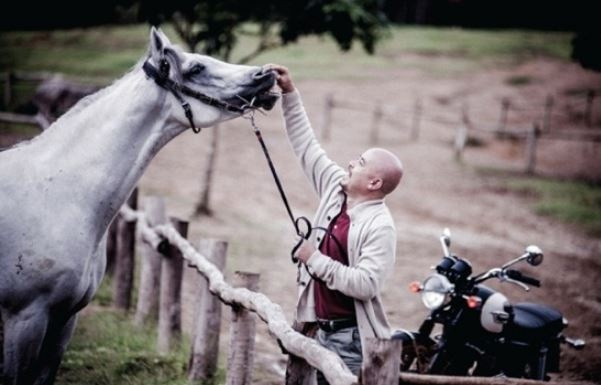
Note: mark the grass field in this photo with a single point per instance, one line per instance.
(101, 54)
(571, 202)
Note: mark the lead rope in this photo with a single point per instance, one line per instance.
(249, 114)
(298, 221)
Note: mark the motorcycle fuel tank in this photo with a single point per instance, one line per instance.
(494, 316)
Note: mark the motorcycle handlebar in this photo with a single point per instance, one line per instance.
(518, 276)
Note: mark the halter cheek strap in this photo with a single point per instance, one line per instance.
(161, 78)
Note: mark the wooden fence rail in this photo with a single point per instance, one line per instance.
(381, 360)
(295, 343)
(381, 113)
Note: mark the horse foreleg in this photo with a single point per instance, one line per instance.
(53, 349)
(23, 336)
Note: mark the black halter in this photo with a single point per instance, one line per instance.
(161, 77)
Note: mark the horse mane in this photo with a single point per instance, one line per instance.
(88, 100)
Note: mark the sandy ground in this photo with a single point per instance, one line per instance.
(490, 225)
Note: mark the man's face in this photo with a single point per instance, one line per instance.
(360, 174)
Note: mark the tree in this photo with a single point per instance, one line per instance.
(585, 49)
(214, 28)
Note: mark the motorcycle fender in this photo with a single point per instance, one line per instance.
(416, 352)
(409, 336)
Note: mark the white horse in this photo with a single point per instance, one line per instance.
(60, 191)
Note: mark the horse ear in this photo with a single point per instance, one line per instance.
(158, 41)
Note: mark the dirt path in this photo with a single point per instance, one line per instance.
(489, 224)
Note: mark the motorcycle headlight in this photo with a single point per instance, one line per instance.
(435, 291)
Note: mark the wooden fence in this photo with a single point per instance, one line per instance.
(163, 253)
(465, 127)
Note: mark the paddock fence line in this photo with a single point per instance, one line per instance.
(158, 232)
(539, 127)
(295, 343)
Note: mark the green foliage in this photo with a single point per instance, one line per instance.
(572, 202)
(100, 55)
(585, 49)
(217, 26)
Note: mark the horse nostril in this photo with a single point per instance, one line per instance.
(262, 74)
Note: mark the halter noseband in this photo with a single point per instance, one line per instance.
(161, 78)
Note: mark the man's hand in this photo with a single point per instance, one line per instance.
(283, 78)
(305, 251)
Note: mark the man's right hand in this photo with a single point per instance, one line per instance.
(283, 78)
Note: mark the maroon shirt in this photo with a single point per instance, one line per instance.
(332, 304)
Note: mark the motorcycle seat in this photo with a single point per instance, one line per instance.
(534, 322)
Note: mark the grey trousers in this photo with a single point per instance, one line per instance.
(344, 342)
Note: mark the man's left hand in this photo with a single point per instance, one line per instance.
(305, 251)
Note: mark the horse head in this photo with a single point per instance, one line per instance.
(215, 91)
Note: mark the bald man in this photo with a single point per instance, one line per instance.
(344, 268)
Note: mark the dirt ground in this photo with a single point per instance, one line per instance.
(490, 225)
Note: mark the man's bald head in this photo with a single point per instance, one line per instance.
(386, 166)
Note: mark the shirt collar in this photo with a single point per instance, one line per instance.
(364, 207)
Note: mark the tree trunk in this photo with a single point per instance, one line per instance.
(170, 300)
(203, 206)
(124, 263)
(150, 271)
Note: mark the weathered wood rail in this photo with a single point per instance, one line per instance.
(381, 360)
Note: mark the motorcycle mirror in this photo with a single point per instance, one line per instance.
(446, 233)
(535, 255)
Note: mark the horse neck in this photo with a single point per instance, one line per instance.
(104, 148)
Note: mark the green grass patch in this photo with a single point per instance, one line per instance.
(572, 202)
(519, 80)
(103, 53)
(107, 348)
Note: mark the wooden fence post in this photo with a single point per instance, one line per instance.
(172, 268)
(417, 114)
(375, 124)
(150, 270)
(505, 104)
(588, 112)
(8, 89)
(547, 118)
(207, 320)
(460, 141)
(381, 362)
(531, 148)
(125, 257)
(111, 247)
(242, 336)
(327, 117)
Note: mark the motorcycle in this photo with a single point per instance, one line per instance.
(483, 334)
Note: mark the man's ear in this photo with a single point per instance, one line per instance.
(158, 42)
(375, 184)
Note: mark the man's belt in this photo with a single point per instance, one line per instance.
(331, 326)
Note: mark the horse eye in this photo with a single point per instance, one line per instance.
(196, 69)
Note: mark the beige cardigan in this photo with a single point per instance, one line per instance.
(371, 239)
